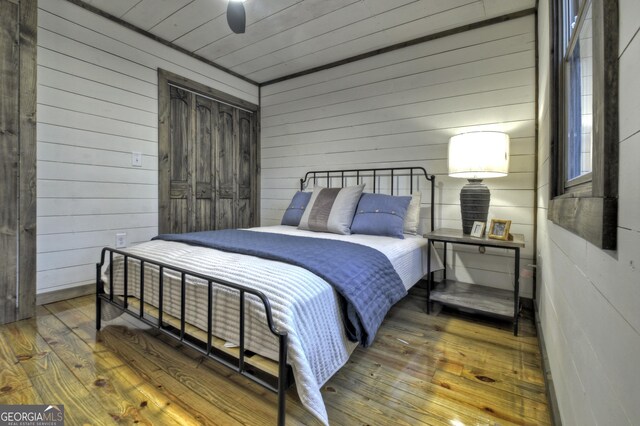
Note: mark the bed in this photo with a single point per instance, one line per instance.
(231, 305)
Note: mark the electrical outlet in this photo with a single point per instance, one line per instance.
(121, 239)
(136, 159)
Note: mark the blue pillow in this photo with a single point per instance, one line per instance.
(294, 212)
(379, 214)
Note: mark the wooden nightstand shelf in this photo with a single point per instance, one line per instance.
(472, 297)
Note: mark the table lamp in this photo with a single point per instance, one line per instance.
(476, 156)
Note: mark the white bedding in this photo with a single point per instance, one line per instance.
(303, 304)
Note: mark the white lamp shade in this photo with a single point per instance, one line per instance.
(479, 155)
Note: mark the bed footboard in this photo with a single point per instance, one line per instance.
(178, 333)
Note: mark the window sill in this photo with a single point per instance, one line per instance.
(579, 182)
(591, 218)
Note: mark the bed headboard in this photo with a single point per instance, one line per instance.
(393, 181)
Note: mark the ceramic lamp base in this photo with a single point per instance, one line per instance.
(474, 203)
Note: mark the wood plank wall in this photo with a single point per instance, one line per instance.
(17, 159)
(588, 298)
(10, 144)
(400, 108)
(97, 103)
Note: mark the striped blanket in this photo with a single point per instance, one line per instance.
(361, 275)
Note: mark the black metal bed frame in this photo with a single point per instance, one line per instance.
(206, 348)
(375, 173)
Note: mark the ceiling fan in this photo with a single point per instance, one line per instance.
(236, 17)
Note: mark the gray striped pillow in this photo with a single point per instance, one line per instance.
(331, 209)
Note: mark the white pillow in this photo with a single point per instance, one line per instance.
(331, 209)
(412, 218)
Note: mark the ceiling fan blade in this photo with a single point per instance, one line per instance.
(236, 16)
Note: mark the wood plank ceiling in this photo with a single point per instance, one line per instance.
(288, 36)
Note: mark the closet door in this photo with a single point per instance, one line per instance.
(181, 200)
(236, 166)
(247, 155)
(226, 166)
(204, 165)
(194, 125)
(207, 162)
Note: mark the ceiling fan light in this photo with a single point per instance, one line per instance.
(236, 17)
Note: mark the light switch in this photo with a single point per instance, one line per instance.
(121, 239)
(136, 159)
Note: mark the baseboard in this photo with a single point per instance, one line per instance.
(65, 293)
(554, 410)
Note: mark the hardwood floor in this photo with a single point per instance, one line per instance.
(444, 369)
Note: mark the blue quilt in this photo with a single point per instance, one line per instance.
(363, 277)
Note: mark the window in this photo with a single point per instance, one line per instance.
(578, 101)
(584, 172)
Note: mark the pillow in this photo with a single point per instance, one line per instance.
(331, 209)
(379, 214)
(293, 214)
(412, 219)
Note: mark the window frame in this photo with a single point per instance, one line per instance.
(588, 204)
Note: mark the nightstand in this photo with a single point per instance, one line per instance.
(476, 298)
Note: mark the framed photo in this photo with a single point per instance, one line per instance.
(499, 229)
(478, 229)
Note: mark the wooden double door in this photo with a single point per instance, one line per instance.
(208, 164)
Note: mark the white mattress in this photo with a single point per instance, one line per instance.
(303, 304)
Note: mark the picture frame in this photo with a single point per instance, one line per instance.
(477, 230)
(499, 229)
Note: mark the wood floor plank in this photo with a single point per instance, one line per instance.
(295, 410)
(166, 391)
(509, 367)
(432, 353)
(368, 403)
(480, 334)
(213, 388)
(414, 363)
(467, 351)
(22, 396)
(267, 400)
(385, 410)
(12, 376)
(504, 404)
(107, 378)
(420, 399)
(507, 383)
(422, 369)
(166, 395)
(434, 327)
(51, 379)
(84, 327)
(185, 410)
